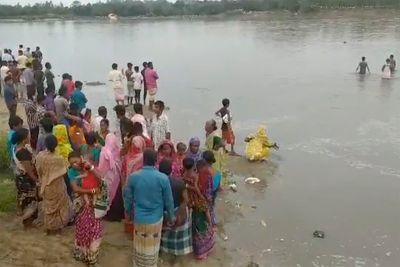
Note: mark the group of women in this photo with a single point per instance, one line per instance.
(81, 183)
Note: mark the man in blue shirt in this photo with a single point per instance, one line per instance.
(78, 97)
(148, 193)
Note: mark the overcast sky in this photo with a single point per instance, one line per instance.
(25, 2)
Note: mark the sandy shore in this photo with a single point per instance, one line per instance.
(19, 247)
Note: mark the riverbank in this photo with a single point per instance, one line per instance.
(19, 247)
(314, 11)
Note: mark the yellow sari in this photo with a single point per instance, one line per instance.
(63, 146)
(258, 146)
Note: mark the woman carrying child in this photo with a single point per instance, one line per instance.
(85, 182)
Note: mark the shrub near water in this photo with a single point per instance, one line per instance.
(7, 184)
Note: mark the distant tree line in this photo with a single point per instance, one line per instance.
(130, 8)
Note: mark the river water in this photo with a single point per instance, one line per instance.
(339, 133)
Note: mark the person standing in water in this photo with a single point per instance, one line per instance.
(386, 72)
(227, 133)
(392, 63)
(115, 77)
(363, 67)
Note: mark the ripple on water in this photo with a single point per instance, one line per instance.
(363, 152)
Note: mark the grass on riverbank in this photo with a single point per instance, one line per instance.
(7, 193)
(7, 184)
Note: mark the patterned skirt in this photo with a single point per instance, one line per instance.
(146, 244)
(88, 235)
(178, 240)
(203, 234)
(27, 198)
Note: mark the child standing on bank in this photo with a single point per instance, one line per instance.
(226, 128)
(137, 83)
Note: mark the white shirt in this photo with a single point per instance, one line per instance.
(116, 77)
(142, 120)
(7, 57)
(3, 72)
(137, 80)
(96, 123)
(159, 129)
(22, 61)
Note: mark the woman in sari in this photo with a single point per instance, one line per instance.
(63, 146)
(203, 232)
(211, 131)
(194, 151)
(76, 135)
(177, 239)
(56, 204)
(110, 167)
(104, 131)
(86, 121)
(26, 177)
(215, 144)
(132, 153)
(132, 150)
(167, 151)
(88, 228)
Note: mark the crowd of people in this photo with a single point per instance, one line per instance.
(84, 171)
(388, 68)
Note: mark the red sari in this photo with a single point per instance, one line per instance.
(132, 162)
(176, 170)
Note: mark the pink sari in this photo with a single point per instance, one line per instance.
(110, 164)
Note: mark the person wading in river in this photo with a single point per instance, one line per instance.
(362, 67)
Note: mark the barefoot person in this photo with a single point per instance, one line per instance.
(148, 193)
(362, 67)
(88, 228)
(56, 204)
(227, 132)
(203, 232)
(177, 239)
(110, 166)
(137, 84)
(151, 78)
(116, 77)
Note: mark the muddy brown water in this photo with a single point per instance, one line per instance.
(337, 169)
